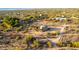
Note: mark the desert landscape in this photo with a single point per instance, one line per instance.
(39, 29)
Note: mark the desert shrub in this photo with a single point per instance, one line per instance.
(33, 43)
(19, 28)
(29, 41)
(29, 19)
(49, 34)
(68, 43)
(7, 29)
(75, 44)
(64, 44)
(25, 31)
(49, 44)
(57, 32)
(1, 17)
(17, 38)
(59, 44)
(36, 43)
(18, 48)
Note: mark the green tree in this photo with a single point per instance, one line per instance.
(10, 21)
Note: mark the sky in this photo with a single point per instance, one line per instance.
(12, 9)
(8, 9)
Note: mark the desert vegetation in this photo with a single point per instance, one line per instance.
(39, 29)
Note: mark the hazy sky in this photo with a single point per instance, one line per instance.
(12, 9)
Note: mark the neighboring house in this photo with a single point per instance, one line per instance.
(59, 18)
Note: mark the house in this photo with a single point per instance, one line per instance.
(43, 27)
(59, 18)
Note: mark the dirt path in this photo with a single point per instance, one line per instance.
(62, 30)
(61, 33)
